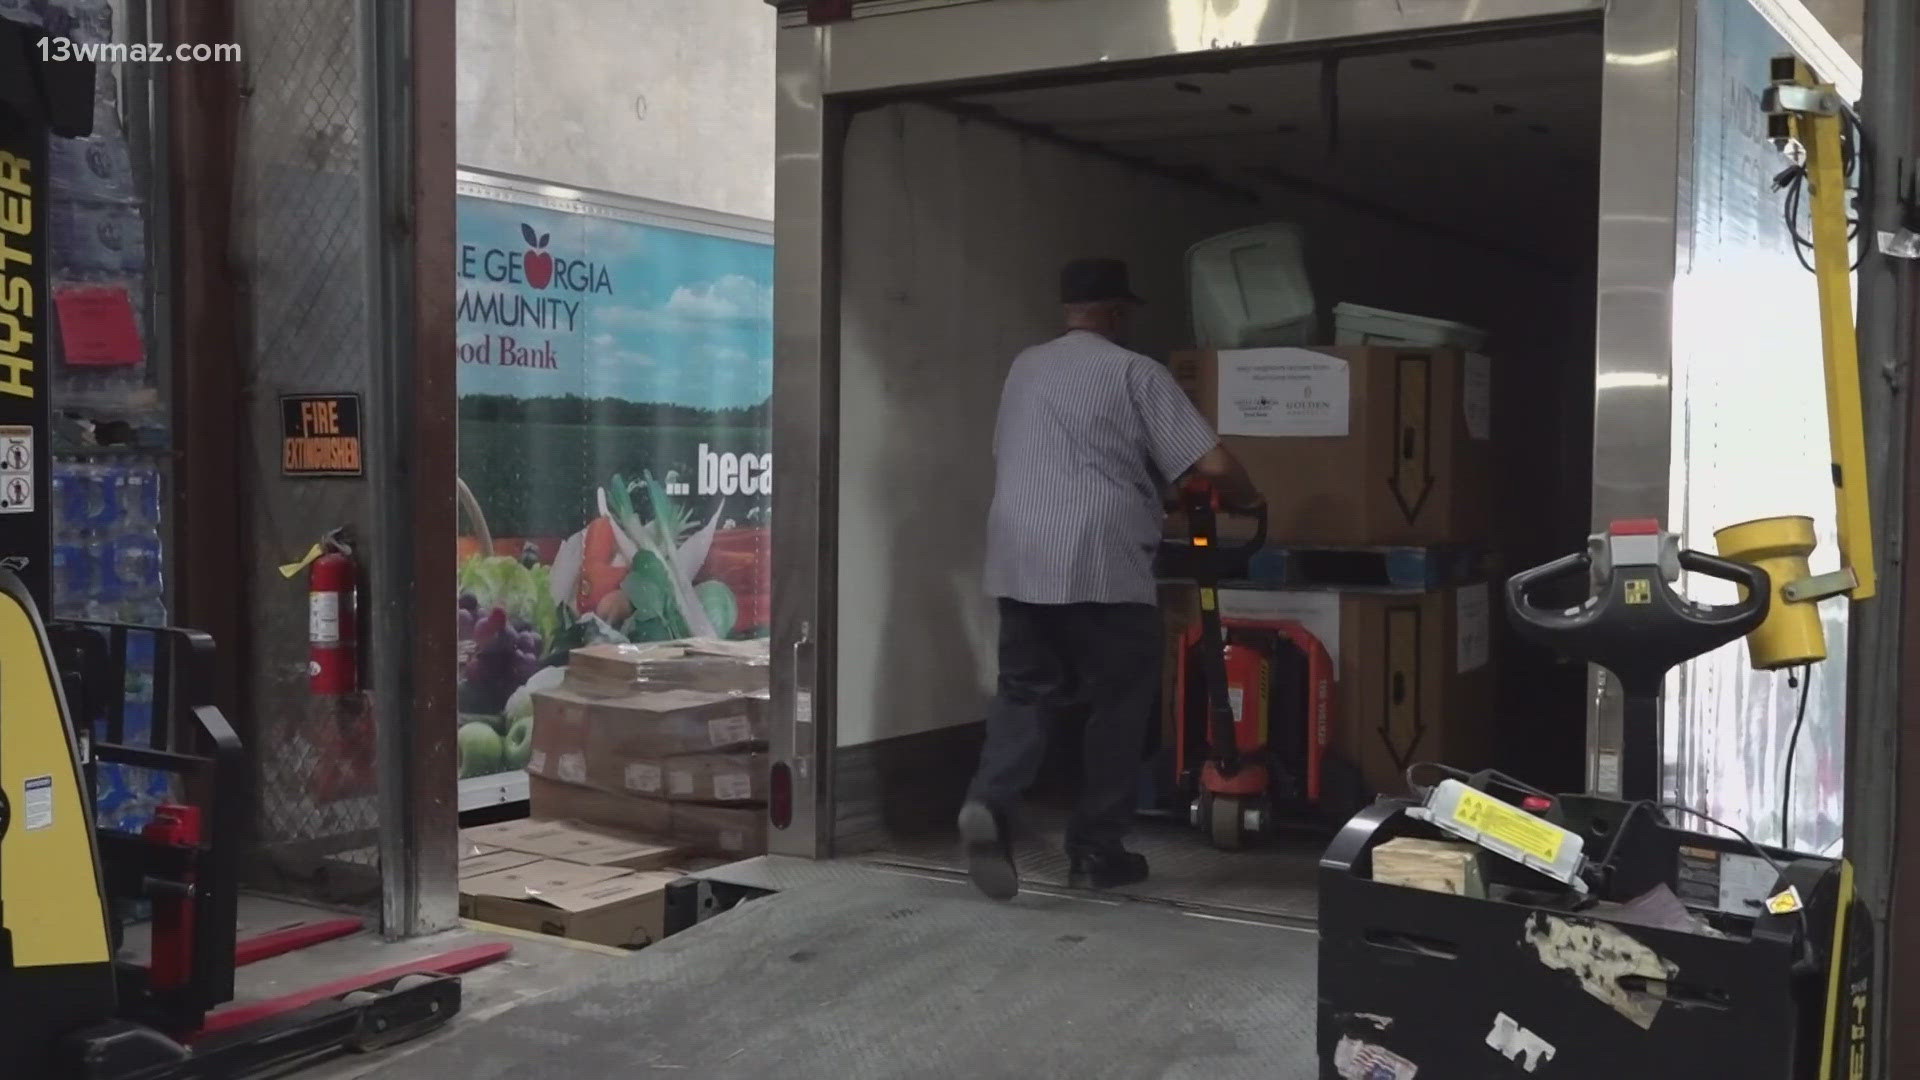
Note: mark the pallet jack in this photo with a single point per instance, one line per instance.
(1253, 699)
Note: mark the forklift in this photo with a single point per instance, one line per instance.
(74, 1003)
(1484, 926)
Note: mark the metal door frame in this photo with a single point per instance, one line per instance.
(822, 74)
(1646, 195)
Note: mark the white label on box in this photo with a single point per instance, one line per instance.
(643, 777)
(680, 783)
(730, 731)
(16, 470)
(573, 768)
(1318, 612)
(1283, 392)
(1476, 396)
(37, 807)
(802, 707)
(538, 763)
(733, 786)
(1473, 616)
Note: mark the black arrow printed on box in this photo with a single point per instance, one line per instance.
(1400, 698)
(1412, 478)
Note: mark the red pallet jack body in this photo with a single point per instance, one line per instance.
(1254, 702)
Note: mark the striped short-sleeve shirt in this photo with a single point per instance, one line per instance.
(1088, 437)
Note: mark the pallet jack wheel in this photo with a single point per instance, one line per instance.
(1225, 822)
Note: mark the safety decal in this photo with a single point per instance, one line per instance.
(1356, 1060)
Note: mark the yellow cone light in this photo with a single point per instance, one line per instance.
(1792, 635)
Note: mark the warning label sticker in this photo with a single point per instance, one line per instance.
(38, 805)
(16, 470)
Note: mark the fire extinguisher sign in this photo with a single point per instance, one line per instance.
(320, 435)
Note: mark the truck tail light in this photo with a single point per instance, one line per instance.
(780, 796)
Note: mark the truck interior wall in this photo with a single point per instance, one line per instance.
(953, 232)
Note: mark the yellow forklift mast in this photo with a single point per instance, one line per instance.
(56, 965)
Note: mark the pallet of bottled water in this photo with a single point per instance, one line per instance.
(108, 565)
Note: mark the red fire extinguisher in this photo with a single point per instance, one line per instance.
(332, 615)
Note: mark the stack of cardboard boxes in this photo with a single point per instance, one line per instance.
(569, 880)
(665, 740)
(1369, 447)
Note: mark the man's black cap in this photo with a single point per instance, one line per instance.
(1091, 281)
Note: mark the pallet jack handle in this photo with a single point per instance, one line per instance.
(1203, 507)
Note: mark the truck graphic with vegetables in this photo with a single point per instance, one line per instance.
(644, 568)
(615, 459)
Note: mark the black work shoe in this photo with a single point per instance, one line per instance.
(989, 852)
(1105, 868)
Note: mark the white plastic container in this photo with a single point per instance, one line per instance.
(1357, 325)
(1250, 289)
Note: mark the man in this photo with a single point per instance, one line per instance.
(1090, 436)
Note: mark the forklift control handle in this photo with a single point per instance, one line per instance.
(1634, 624)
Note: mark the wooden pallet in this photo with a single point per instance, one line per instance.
(1349, 569)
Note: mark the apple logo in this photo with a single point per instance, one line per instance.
(539, 263)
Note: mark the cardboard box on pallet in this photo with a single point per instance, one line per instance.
(615, 670)
(573, 734)
(710, 778)
(604, 905)
(549, 798)
(558, 837)
(1415, 670)
(732, 831)
(737, 831)
(1356, 445)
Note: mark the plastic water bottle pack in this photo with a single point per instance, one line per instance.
(108, 567)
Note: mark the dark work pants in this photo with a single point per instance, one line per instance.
(1107, 655)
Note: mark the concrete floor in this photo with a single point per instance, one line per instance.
(879, 976)
(538, 966)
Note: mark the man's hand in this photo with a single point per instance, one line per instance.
(1228, 477)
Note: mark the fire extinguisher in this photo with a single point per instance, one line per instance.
(332, 616)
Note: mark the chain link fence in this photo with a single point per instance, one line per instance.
(301, 230)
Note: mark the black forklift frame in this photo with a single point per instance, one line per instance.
(189, 739)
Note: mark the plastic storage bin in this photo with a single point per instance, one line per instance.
(1357, 325)
(1250, 289)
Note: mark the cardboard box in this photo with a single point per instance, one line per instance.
(617, 670)
(597, 904)
(732, 831)
(499, 835)
(530, 879)
(492, 860)
(573, 841)
(554, 799)
(713, 778)
(738, 832)
(571, 730)
(1416, 673)
(1356, 445)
